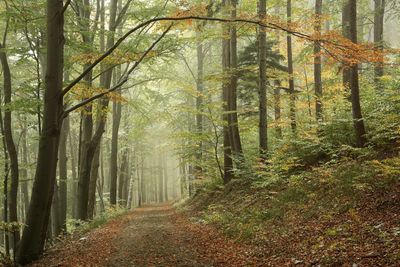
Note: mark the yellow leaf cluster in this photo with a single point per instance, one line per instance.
(82, 91)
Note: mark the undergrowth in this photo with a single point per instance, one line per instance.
(79, 226)
(335, 187)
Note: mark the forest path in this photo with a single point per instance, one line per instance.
(150, 236)
(154, 238)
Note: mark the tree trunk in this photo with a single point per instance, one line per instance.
(89, 151)
(10, 145)
(160, 179)
(318, 63)
(55, 213)
(378, 36)
(24, 170)
(63, 171)
(85, 160)
(199, 103)
(346, 33)
(142, 181)
(33, 238)
(165, 171)
(292, 104)
(131, 181)
(94, 174)
(262, 88)
(277, 109)
(100, 183)
(127, 178)
(122, 178)
(358, 120)
(114, 152)
(5, 187)
(86, 133)
(233, 116)
(74, 153)
(107, 82)
(228, 163)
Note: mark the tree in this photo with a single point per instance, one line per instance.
(292, 104)
(358, 119)
(379, 15)
(116, 111)
(346, 34)
(33, 237)
(63, 174)
(262, 43)
(228, 162)
(9, 141)
(318, 63)
(199, 99)
(86, 134)
(232, 99)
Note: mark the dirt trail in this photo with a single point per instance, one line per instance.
(153, 238)
(150, 236)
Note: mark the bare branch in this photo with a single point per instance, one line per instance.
(66, 6)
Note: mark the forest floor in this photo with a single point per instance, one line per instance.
(150, 236)
(344, 214)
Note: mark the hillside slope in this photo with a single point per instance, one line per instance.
(340, 214)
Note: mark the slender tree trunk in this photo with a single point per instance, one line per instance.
(5, 187)
(63, 171)
(100, 184)
(122, 178)
(86, 133)
(277, 109)
(114, 152)
(165, 171)
(228, 163)
(318, 63)
(131, 182)
(107, 83)
(233, 116)
(292, 92)
(143, 181)
(85, 160)
(73, 154)
(358, 120)
(55, 213)
(262, 87)
(160, 179)
(24, 170)
(378, 36)
(346, 33)
(127, 177)
(34, 235)
(10, 145)
(277, 98)
(199, 103)
(94, 173)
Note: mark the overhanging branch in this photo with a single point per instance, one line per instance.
(143, 24)
(268, 25)
(123, 80)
